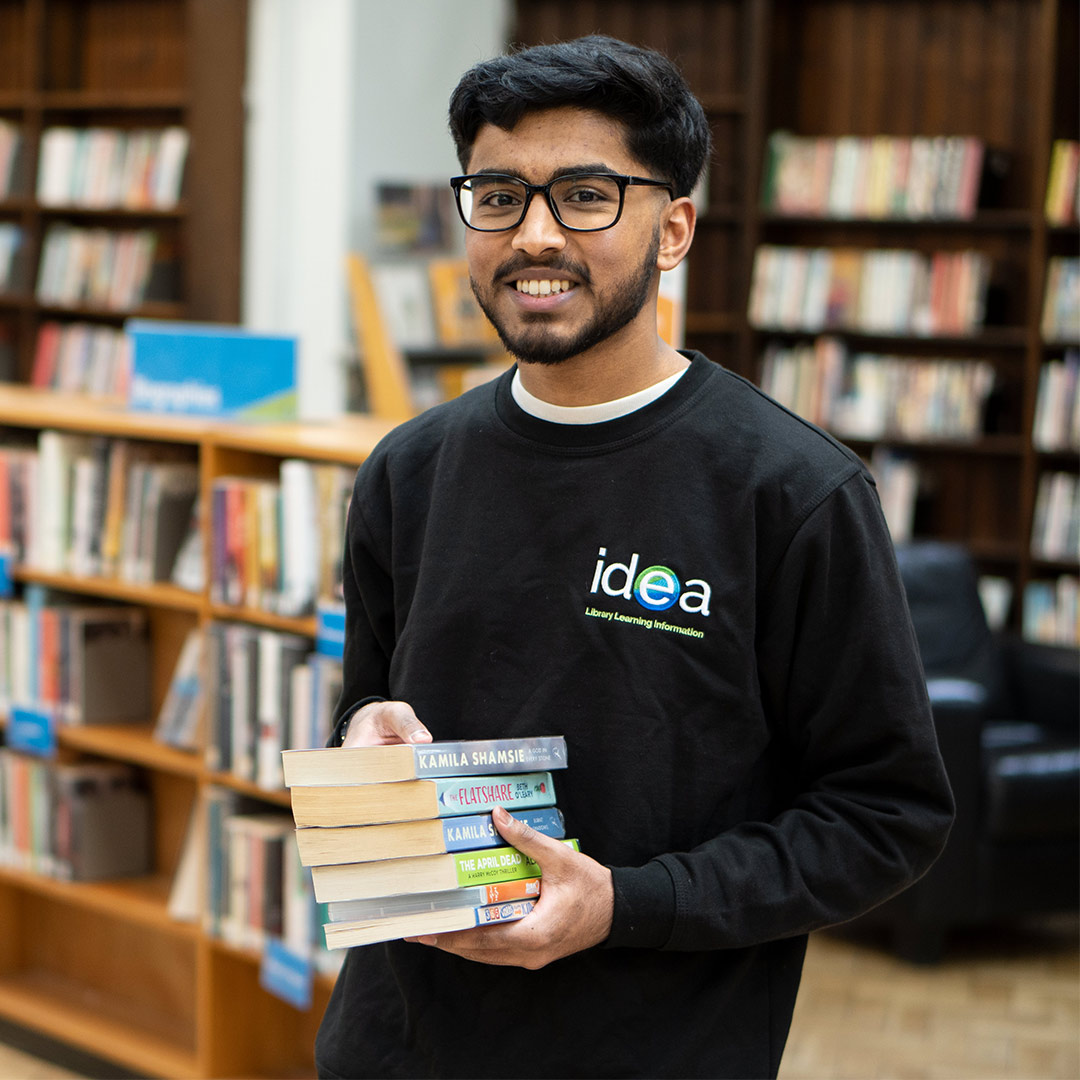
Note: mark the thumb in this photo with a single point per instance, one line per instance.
(526, 839)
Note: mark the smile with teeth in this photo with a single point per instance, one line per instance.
(543, 288)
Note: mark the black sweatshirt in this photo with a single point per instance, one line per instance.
(702, 597)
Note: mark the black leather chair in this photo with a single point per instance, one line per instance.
(1008, 720)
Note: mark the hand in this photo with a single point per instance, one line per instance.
(382, 723)
(573, 913)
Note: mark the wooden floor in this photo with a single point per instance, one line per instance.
(1003, 1005)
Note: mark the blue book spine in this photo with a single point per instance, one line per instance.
(478, 830)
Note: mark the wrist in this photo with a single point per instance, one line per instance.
(341, 728)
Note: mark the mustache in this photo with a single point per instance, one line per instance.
(517, 263)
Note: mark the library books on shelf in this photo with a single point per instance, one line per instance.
(886, 291)
(1057, 406)
(103, 167)
(83, 821)
(71, 469)
(872, 396)
(880, 176)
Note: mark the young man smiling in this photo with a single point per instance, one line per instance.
(628, 545)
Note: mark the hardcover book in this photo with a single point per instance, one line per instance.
(425, 873)
(364, 843)
(409, 800)
(379, 764)
(346, 935)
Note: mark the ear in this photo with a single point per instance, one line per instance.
(677, 233)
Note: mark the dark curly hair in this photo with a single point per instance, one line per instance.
(665, 125)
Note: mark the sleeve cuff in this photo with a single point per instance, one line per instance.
(644, 915)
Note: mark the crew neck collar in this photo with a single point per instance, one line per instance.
(639, 423)
(589, 414)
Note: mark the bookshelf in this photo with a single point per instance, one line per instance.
(1004, 74)
(122, 67)
(102, 965)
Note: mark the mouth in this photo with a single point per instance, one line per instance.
(542, 286)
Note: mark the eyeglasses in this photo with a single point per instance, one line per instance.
(584, 202)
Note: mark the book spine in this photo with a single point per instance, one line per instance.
(484, 756)
(496, 865)
(342, 911)
(481, 795)
(478, 830)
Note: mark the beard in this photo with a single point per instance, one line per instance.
(534, 344)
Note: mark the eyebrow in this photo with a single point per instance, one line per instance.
(568, 170)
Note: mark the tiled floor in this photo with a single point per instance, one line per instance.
(1003, 1005)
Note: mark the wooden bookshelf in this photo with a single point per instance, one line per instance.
(176, 1002)
(127, 64)
(828, 68)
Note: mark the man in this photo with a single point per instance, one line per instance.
(632, 547)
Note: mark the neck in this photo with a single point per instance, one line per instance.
(609, 371)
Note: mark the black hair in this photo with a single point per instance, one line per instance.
(665, 125)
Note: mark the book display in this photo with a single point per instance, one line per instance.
(198, 697)
(120, 169)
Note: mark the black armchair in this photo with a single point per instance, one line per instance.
(1008, 720)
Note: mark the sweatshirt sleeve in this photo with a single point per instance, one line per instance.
(865, 806)
(369, 612)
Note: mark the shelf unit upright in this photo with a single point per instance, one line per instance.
(127, 64)
(1005, 73)
(103, 966)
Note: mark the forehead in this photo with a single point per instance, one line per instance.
(545, 141)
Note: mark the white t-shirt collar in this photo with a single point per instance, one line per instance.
(590, 414)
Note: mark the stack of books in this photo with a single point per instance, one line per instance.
(400, 839)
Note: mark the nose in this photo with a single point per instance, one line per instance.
(539, 231)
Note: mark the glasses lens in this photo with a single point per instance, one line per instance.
(586, 202)
(491, 202)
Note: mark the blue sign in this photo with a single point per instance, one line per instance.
(199, 369)
(7, 583)
(330, 630)
(32, 731)
(286, 974)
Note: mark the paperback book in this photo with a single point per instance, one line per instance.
(347, 935)
(379, 764)
(365, 843)
(381, 907)
(409, 800)
(425, 873)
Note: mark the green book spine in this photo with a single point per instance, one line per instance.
(496, 864)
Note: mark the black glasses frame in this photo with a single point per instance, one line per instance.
(623, 182)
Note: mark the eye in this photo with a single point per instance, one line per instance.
(495, 197)
(584, 194)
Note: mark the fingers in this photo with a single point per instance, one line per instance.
(525, 838)
(382, 722)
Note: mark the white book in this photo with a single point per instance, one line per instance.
(299, 540)
(168, 169)
(57, 452)
(270, 736)
(55, 163)
(243, 672)
(300, 735)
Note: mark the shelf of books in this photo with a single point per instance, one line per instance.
(913, 283)
(105, 211)
(162, 634)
